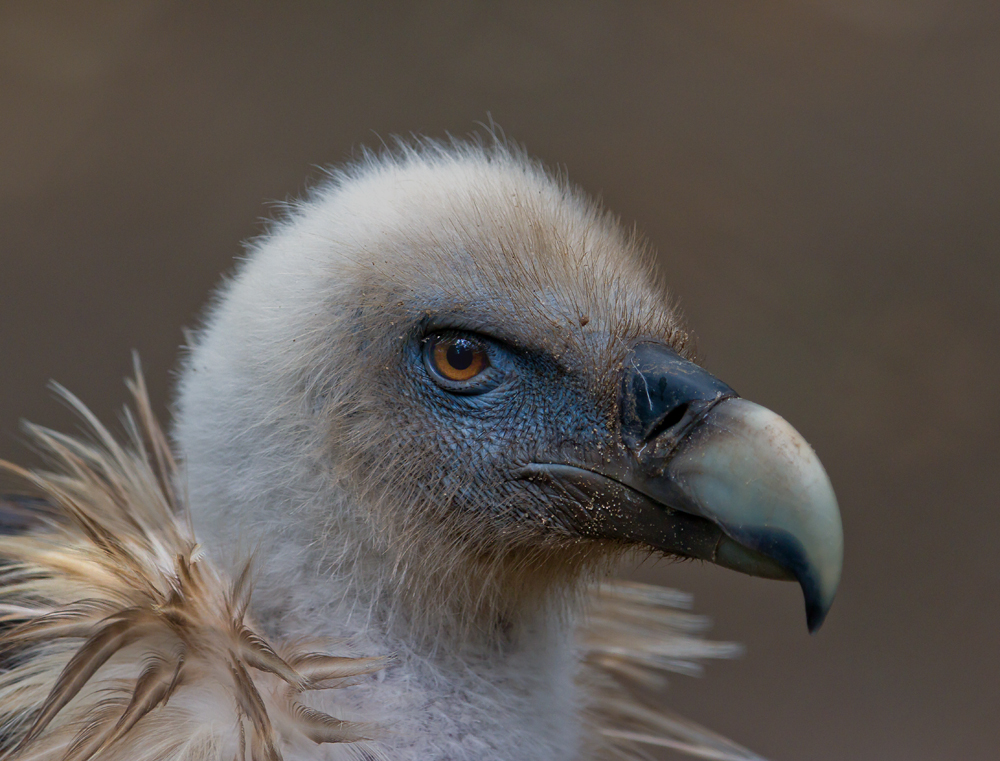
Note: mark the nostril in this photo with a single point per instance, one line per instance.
(674, 416)
(668, 421)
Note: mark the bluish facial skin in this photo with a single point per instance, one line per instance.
(554, 437)
(525, 407)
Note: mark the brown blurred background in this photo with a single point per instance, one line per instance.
(822, 179)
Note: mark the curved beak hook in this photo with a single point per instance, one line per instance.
(702, 450)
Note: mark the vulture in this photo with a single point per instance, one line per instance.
(434, 406)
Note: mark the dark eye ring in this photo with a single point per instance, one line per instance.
(457, 362)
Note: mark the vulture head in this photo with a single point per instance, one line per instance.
(448, 386)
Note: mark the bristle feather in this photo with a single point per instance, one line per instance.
(323, 728)
(113, 613)
(91, 656)
(320, 669)
(154, 686)
(255, 652)
(636, 634)
(262, 738)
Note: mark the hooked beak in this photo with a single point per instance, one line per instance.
(709, 475)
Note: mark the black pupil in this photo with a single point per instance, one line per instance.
(460, 355)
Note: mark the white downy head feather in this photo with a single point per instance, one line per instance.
(292, 447)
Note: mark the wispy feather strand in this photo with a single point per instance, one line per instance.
(112, 596)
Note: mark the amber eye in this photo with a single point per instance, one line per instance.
(458, 359)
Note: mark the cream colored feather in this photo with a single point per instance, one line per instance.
(123, 641)
(634, 635)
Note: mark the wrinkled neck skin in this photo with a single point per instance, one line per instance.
(496, 684)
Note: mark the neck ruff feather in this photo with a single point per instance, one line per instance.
(119, 639)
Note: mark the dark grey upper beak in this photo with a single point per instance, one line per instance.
(709, 475)
(702, 450)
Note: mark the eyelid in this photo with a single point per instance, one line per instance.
(483, 329)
